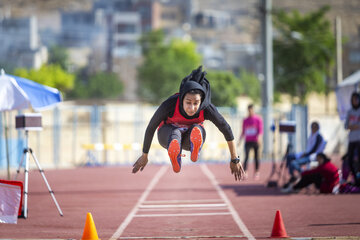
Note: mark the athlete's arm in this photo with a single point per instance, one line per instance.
(212, 114)
(164, 110)
(236, 168)
(161, 114)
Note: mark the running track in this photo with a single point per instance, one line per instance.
(203, 201)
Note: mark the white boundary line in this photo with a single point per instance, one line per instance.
(179, 209)
(187, 237)
(182, 214)
(234, 214)
(131, 215)
(183, 205)
(182, 201)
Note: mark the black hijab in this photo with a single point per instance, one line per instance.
(195, 81)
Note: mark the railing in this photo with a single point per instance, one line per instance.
(76, 135)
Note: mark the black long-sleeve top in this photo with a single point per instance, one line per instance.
(167, 109)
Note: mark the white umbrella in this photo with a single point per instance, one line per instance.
(19, 93)
(12, 97)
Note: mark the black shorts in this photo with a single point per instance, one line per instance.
(168, 132)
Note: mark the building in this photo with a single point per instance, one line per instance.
(227, 34)
(20, 44)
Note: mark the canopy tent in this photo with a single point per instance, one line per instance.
(19, 93)
(344, 91)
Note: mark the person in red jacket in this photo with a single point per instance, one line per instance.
(325, 176)
(179, 120)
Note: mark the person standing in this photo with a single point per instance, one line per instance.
(352, 123)
(252, 130)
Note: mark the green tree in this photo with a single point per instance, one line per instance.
(59, 55)
(165, 65)
(304, 52)
(250, 85)
(50, 75)
(153, 39)
(225, 87)
(101, 85)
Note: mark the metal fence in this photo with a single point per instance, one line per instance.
(76, 135)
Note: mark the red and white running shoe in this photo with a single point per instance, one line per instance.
(196, 143)
(174, 151)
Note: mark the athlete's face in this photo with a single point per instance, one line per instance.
(191, 103)
(251, 112)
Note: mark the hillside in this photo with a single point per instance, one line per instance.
(22, 8)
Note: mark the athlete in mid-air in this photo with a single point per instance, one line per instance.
(179, 120)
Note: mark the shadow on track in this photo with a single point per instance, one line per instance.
(253, 190)
(333, 224)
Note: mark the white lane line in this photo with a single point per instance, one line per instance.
(182, 214)
(131, 215)
(183, 205)
(234, 214)
(182, 201)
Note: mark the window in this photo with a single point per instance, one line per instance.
(126, 28)
(354, 57)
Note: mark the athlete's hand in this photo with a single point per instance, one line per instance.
(140, 163)
(237, 170)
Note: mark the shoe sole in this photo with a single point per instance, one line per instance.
(174, 151)
(196, 140)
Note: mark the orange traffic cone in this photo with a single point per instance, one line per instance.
(90, 229)
(278, 230)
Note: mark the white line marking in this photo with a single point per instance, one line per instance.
(177, 209)
(131, 215)
(187, 237)
(234, 214)
(183, 205)
(182, 201)
(183, 214)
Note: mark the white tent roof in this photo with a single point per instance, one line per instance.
(353, 79)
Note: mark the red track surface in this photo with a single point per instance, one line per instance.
(114, 194)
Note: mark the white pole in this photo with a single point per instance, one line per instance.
(7, 146)
(339, 72)
(268, 70)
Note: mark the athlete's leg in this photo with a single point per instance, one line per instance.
(196, 142)
(256, 159)
(247, 150)
(353, 151)
(193, 139)
(306, 180)
(299, 162)
(256, 156)
(170, 138)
